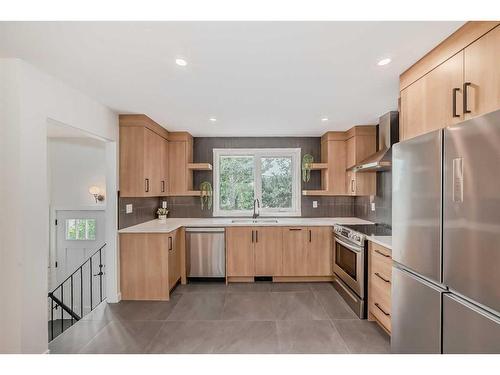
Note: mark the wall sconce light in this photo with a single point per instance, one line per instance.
(95, 191)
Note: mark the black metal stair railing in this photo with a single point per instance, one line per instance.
(74, 288)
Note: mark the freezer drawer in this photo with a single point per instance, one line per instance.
(468, 329)
(471, 232)
(416, 204)
(206, 252)
(416, 314)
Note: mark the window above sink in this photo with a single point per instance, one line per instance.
(270, 175)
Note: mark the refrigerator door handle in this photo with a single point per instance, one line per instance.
(458, 180)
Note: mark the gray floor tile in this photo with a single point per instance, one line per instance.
(201, 287)
(290, 287)
(187, 337)
(76, 337)
(248, 338)
(135, 310)
(249, 287)
(363, 336)
(321, 286)
(297, 306)
(309, 336)
(248, 306)
(334, 304)
(127, 336)
(199, 306)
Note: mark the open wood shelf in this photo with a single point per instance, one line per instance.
(200, 166)
(316, 166)
(316, 192)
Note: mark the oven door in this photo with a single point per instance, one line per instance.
(349, 265)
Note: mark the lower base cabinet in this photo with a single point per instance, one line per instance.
(278, 251)
(149, 265)
(379, 285)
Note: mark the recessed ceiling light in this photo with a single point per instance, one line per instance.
(213, 119)
(324, 119)
(181, 62)
(385, 61)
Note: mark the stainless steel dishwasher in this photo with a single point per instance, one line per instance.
(206, 252)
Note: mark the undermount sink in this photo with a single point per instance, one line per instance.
(254, 221)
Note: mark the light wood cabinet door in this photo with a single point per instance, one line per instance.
(144, 266)
(152, 164)
(319, 251)
(333, 179)
(295, 248)
(174, 258)
(350, 152)
(268, 251)
(361, 183)
(240, 251)
(482, 71)
(164, 178)
(427, 104)
(132, 183)
(177, 167)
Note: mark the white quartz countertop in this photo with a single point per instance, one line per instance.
(385, 241)
(154, 226)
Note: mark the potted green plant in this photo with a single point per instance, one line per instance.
(162, 215)
(307, 162)
(206, 195)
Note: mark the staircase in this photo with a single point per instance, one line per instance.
(77, 295)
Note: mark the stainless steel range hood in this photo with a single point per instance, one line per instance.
(388, 134)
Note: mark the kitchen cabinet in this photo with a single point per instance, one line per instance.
(307, 251)
(164, 177)
(434, 101)
(254, 251)
(482, 72)
(150, 265)
(141, 149)
(379, 285)
(457, 80)
(333, 152)
(180, 155)
(240, 252)
(360, 144)
(319, 251)
(295, 251)
(268, 243)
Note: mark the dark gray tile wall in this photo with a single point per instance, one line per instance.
(144, 209)
(383, 201)
(203, 153)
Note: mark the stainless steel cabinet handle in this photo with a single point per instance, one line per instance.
(170, 243)
(381, 253)
(163, 186)
(454, 109)
(381, 277)
(466, 86)
(294, 228)
(310, 235)
(146, 181)
(252, 236)
(381, 309)
(352, 185)
(256, 236)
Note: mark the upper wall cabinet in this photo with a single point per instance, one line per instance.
(142, 143)
(180, 154)
(457, 80)
(339, 152)
(482, 74)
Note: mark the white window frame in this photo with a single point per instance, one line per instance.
(259, 153)
(66, 230)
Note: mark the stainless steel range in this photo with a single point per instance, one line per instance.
(350, 263)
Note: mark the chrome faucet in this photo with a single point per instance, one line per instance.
(256, 213)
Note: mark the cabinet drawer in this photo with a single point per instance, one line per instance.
(380, 304)
(381, 258)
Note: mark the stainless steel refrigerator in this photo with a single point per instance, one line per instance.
(446, 240)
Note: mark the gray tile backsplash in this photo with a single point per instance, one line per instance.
(145, 208)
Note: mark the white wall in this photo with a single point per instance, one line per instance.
(28, 99)
(75, 164)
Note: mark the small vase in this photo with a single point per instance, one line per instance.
(162, 219)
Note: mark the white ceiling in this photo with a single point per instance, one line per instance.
(256, 78)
